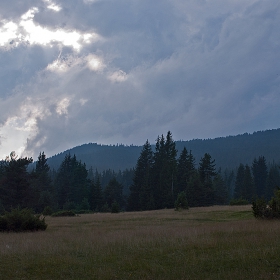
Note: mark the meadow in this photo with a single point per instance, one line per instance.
(219, 242)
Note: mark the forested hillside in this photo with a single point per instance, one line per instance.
(161, 176)
(101, 157)
(228, 152)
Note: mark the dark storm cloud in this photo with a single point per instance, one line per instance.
(198, 68)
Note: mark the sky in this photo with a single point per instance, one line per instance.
(124, 71)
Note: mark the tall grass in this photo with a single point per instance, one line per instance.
(223, 242)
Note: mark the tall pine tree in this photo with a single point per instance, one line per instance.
(141, 195)
(41, 184)
(71, 181)
(15, 182)
(207, 171)
(259, 169)
(164, 172)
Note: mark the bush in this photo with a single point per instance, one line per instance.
(239, 201)
(64, 213)
(270, 211)
(181, 201)
(83, 211)
(260, 208)
(47, 211)
(21, 220)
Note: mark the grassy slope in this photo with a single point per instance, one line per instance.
(201, 243)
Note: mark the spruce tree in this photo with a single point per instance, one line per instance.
(221, 194)
(164, 172)
(96, 195)
(207, 171)
(158, 173)
(170, 170)
(185, 169)
(239, 183)
(273, 181)
(183, 172)
(141, 196)
(113, 193)
(248, 191)
(71, 181)
(260, 173)
(16, 189)
(41, 184)
(195, 191)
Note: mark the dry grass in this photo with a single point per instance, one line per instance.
(221, 242)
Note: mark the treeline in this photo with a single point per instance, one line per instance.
(260, 180)
(160, 176)
(70, 187)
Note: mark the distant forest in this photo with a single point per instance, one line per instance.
(228, 152)
(206, 172)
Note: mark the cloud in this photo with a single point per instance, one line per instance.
(124, 71)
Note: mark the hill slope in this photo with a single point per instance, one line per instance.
(228, 151)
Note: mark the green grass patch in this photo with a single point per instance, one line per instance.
(166, 244)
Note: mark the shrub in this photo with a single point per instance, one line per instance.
(21, 220)
(83, 211)
(181, 201)
(47, 211)
(270, 211)
(64, 213)
(260, 208)
(239, 201)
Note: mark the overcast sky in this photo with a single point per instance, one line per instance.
(123, 71)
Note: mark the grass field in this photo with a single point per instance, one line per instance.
(221, 242)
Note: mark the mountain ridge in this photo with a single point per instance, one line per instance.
(228, 151)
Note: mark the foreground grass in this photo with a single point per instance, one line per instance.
(223, 242)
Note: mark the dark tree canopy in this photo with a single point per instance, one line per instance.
(207, 171)
(141, 196)
(15, 182)
(260, 173)
(71, 181)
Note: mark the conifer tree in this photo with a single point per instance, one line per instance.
(248, 191)
(259, 169)
(41, 184)
(183, 172)
(15, 183)
(71, 181)
(273, 181)
(158, 172)
(141, 196)
(164, 172)
(229, 178)
(207, 171)
(96, 195)
(221, 194)
(195, 190)
(185, 169)
(113, 193)
(239, 183)
(170, 170)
